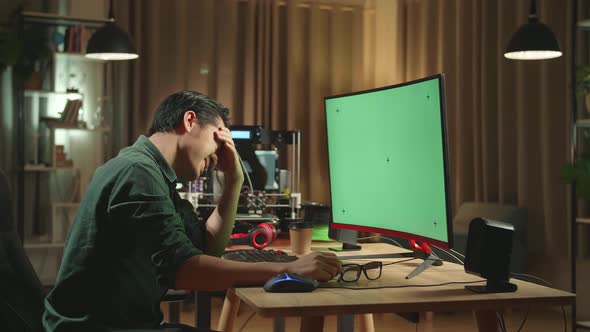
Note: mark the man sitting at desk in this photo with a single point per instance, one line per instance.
(133, 237)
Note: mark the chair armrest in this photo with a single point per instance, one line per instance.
(177, 295)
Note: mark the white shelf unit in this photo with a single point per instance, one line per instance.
(48, 208)
(46, 205)
(48, 94)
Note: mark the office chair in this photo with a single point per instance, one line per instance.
(21, 293)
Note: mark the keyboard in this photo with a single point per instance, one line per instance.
(258, 255)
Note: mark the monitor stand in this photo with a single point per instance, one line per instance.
(420, 250)
(347, 247)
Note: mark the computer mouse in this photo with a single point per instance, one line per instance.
(290, 283)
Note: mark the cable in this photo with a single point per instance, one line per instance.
(458, 253)
(448, 253)
(246, 172)
(523, 276)
(246, 322)
(517, 275)
(405, 260)
(384, 238)
(399, 245)
(564, 319)
(526, 314)
(406, 286)
(500, 318)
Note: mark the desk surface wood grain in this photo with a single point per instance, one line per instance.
(409, 297)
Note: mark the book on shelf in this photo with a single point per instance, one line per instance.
(68, 116)
(76, 38)
(60, 157)
(72, 114)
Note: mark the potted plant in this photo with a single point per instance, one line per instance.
(9, 46)
(35, 57)
(578, 172)
(30, 54)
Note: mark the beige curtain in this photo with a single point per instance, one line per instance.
(272, 62)
(508, 120)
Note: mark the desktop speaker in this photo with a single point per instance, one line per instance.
(489, 246)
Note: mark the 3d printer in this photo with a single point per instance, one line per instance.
(270, 198)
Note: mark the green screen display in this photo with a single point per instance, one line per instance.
(388, 161)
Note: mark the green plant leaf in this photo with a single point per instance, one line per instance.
(568, 173)
(583, 188)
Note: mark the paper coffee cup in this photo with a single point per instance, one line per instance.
(300, 234)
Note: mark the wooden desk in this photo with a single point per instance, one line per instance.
(312, 307)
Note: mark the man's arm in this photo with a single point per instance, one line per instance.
(207, 273)
(221, 221)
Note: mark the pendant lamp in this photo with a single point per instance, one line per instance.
(533, 41)
(110, 42)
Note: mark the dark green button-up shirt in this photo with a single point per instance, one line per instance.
(124, 247)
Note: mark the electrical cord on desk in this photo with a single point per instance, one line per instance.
(382, 238)
(450, 253)
(405, 260)
(406, 286)
(458, 253)
(523, 276)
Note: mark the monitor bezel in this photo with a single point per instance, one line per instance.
(444, 132)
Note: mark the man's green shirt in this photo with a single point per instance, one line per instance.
(131, 234)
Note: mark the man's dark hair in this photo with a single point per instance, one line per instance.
(171, 111)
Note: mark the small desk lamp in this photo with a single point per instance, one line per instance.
(533, 41)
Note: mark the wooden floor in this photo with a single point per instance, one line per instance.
(547, 319)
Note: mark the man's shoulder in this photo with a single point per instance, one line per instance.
(130, 162)
(122, 164)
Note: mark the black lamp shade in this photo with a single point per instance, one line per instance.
(111, 43)
(533, 41)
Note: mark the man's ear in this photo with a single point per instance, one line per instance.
(189, 121)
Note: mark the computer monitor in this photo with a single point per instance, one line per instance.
(388, 163)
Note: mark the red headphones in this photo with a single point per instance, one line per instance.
(258, 237)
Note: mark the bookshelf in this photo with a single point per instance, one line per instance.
(60, 144)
